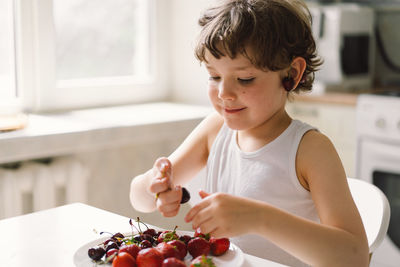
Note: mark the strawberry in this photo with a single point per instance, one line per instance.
(198, 246)
(167, 235)
(219, 245)
(198, 233)
(131, 249)
(180, 246)
(149, 257)
(173, 262)
(124, 259)
(202, 261)
(168, 250)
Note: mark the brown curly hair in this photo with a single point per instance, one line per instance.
(275, 31)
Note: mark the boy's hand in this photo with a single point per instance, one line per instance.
(222, 215)
(168, 196)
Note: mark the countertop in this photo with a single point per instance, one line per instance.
(349, 99)
(49, 135)
(339, 97)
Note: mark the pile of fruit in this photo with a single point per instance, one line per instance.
(152, 248)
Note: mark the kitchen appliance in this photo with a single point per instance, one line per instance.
(387, 61)
(344, 34)
(378, 162)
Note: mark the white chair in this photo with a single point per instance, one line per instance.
(374, 210)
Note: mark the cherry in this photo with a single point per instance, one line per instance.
(185, 195)
(185, 238)
(137, 237)
(150, 231)
(118, 235)
(145, 244)
(147, 237)
(96, 253)
(111, 253)
(111, 245)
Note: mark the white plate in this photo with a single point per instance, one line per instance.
(232, 258)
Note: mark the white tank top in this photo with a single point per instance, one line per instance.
(269, 175)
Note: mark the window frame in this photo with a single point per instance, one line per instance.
(10, 79)
(36, 73)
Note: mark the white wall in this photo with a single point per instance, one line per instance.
(188, 79)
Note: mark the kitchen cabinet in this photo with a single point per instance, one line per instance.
(335, 120)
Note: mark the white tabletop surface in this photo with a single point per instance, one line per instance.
(51, 237)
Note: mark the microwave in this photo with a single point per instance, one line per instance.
(345, 40)
(387, 65)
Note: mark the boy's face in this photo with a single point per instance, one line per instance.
(246, 97)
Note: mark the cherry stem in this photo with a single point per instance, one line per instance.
(143, 223)
(130, 222)
(138, 223)
(106, 233)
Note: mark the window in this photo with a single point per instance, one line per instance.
(85, 53)
(8, 91)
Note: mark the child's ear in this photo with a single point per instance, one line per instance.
(297, 69)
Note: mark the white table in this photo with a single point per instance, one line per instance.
(51, 237)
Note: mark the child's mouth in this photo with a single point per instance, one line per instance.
(233, 110)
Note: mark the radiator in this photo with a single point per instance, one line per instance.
(41, 184)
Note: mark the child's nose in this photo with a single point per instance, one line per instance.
(226, 91)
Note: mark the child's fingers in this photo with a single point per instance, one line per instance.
(219, 232)
(168, 202)
(163, 165)
(203, 194)
(195, 210)
(159, 185)
(208, 226)
(166, 208)
(201, 218)
(171, 213)
(171, 196)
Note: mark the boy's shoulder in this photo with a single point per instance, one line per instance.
(315, 139)
(211, 126)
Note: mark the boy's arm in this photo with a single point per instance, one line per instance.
(340, 238)
(187, 160)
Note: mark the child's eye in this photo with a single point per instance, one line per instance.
(214, 78)
(246, 81)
